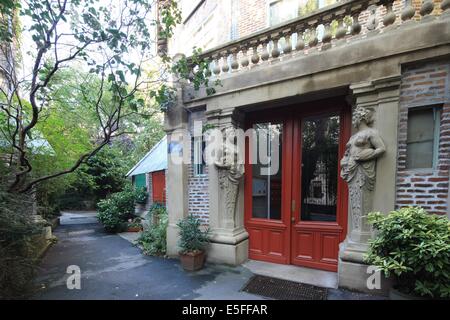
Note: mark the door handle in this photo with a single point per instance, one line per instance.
(292, 219)
(293, 206)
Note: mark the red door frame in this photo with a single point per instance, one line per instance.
(263, 231)
(159, 186)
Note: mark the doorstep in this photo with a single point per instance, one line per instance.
(320, 278)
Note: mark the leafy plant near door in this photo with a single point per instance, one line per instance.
(192, 243)
(414, 246)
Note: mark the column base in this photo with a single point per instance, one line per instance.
(231, 254)
(172, 241)
(355, 274)
(358, 277)
(228, 246)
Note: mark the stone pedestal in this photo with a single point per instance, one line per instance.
(229, 239)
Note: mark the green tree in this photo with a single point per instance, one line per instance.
(114, 42)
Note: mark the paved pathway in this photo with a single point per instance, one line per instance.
(112, 268)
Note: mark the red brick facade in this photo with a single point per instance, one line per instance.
(252, 16)
(423, 85)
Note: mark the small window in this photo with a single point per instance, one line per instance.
(199, 161)
(423, 137)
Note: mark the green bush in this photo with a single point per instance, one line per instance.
(415, 247)
(153, 240)
(141, 195)
(192, 238)
(115, 210)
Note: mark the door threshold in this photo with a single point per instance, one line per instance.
(320, 278)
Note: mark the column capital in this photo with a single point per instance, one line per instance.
(371, 93)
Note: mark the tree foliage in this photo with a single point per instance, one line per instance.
(113, 42)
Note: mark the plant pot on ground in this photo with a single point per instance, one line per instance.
(413, 246)
(192, 243)
(134, 225)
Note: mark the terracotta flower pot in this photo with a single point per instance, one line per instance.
(134, 229)
(192, 261)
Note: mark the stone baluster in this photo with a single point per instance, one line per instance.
(287, 47)
(341, 30)
(445, 6)
(244, 60)
(234, 61)
(275, 50)
(208, 72)
(216, 69)
(225, 66)
(426, 9)
(408, 12)
(265, 52)
(255, 55)
(389, 17)
(327, 36)
(372, 20)
(312, 42)
(300, 45)
(356, 26)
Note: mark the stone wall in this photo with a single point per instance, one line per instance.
(422, 85)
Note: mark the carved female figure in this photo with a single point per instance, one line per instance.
(359, 163)
(362, 150)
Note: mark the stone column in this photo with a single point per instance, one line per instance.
(176, 127)
(229, 240)
(371, 183)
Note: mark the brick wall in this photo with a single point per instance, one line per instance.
(198, 195)
(252, 16)
(422, 85)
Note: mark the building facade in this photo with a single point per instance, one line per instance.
(357, 94)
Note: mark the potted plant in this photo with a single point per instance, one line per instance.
(155, 212)
(413, 246)
(134, 225)
(192, 243)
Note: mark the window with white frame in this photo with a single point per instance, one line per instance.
(422, 144)
(199, 161)
(282, 10)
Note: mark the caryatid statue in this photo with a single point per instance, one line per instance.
(231, 172)
(358, 166)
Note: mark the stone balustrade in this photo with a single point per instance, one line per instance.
(321, 30)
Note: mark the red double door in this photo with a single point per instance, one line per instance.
(295, 201)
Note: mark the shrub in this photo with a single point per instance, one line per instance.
(153, 239)
(141, 195)
(415, 247)
(114, 211)
(192, 238)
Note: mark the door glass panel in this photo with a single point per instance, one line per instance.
(319, 168)
(266, 170)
